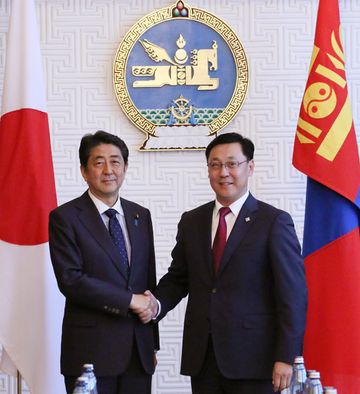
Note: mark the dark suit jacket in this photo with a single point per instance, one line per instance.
(97, 325)
(255, 307)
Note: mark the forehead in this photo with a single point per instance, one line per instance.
(105, 150)
(226, 151)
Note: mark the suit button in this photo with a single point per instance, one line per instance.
(214, 290)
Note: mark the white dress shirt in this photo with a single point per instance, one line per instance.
(102, 207)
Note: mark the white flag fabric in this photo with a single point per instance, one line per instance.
(31, 306)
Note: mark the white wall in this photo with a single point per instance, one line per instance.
(79, 39)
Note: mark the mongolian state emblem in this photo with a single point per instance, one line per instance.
(180, 76)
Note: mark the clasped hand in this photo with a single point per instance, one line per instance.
(145, 306)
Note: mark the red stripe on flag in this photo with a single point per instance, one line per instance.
(26, 176)
(325, 144)
(331, 174)
(333, 319)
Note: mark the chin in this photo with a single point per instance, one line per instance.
(109, 191)
(224, 200)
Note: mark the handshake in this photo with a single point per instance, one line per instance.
(145, 306)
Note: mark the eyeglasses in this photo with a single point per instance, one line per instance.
(230, 165)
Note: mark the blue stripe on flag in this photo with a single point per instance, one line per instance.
(328, 216)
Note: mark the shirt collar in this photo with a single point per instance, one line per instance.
(102, 207)
(235, 207)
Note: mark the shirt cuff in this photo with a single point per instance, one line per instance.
(159, 310)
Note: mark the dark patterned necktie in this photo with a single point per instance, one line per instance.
(220, 238)
(117, 235)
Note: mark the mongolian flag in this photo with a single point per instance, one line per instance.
(30, 304)
(326, 151)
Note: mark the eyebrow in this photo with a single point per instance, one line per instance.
(111, 157)
(227, 158)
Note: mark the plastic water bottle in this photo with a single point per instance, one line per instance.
(299, 375)
(314, 384)
(88, 373)
(307, 381)
(298, 379)
(81, 386)
(330, 390)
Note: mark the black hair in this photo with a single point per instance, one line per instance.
(229, 138)
(90, 141)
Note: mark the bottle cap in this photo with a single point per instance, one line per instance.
(81, 381)
(314, 375)
(299, 360)
(330, 390)
(88, 366)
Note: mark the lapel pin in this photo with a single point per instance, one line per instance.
(247, 219)
(136, 219)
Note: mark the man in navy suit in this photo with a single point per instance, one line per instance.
(238, 259)
(102, 252)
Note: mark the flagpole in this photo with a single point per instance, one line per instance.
(18, 382)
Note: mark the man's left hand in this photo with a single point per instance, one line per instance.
(281, 375)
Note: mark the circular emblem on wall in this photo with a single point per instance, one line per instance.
(180, 75)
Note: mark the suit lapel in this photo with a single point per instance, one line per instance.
(243, 223)
(133, 221)
(90, 218)
(204, 229)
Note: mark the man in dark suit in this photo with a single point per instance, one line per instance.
(238, 259)
(102, 252)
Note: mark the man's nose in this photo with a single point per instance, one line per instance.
(224, 171)
(108, 168)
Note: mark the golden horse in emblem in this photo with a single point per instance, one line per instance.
(177, 73)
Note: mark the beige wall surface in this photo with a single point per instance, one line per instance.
(79, 39)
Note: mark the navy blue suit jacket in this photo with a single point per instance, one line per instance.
(255, 307)
(97, 326)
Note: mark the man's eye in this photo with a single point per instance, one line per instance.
(231, 164)
(215, 165)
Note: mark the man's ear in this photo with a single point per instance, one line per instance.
(251, 167)
(83, 172)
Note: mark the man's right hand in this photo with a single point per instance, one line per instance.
(154, 306)
(139, 303)
(145, 306)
